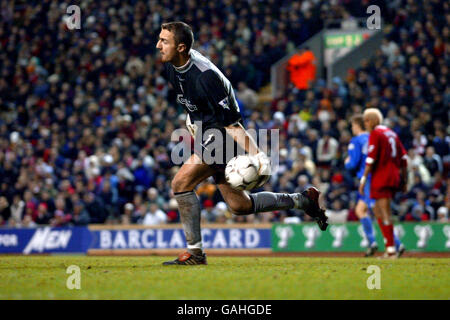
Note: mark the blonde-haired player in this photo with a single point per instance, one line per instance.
(387, 162)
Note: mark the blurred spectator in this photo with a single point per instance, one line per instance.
(95, 207)
(60, 219)
(326, 150)
(28, 222)
(5, 210)
(17, 209)
(154, 216)
(80, 216)
(421, 210)
(126, 218)
(154, 197)
(432, 161)
(337, 214)
(172, 215)
(389, 47)
(207, 214)
(348, 22)
(247, 96)
(302, 68)
(442, 214)
(42, 216)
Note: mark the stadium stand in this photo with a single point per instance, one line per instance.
(87, 115)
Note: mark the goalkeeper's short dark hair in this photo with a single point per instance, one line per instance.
(182, 33)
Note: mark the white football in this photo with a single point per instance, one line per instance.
(241, 172)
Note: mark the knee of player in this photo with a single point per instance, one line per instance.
(180, 184)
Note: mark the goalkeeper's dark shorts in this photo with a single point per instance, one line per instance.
(217, 148)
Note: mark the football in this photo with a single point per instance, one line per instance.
(241, 172)
(244, 172)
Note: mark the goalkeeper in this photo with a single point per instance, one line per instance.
(208, 97)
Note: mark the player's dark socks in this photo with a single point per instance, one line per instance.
(270, 201)
(189, 208)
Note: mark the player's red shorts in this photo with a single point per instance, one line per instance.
(383, 192)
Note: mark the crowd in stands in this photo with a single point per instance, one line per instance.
(87, 115)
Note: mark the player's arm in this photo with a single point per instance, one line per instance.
(403, 165)
(354, 155)
(214, 93)
(246, 142)
(363, 181)
(242, 138)
(370, 160)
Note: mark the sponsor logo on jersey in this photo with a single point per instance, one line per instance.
(183, 101)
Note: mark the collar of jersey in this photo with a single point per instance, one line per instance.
(184, 68)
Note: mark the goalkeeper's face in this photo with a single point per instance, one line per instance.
(166, 45)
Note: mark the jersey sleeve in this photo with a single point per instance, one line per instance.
(374, 147)
(214, 94)
(354, 153)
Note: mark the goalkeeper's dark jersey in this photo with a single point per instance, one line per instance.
(204, 92)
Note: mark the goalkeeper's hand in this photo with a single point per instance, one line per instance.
(264, 168)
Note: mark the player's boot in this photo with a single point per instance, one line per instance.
(401, 250)
(313, 209)
(371, 250)
(390, 253)
(187, 259)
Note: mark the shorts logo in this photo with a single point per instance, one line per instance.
(208, 140)
(183, 101)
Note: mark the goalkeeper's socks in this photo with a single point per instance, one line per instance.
(189, 208)
(368, 229)
(270, 201)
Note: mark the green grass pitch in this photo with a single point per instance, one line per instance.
(45, 277)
